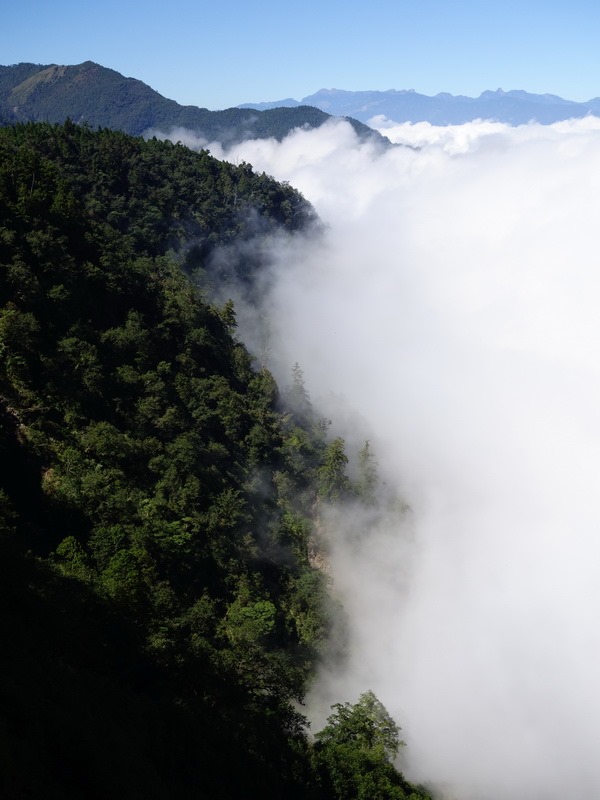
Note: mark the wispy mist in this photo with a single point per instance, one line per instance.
(453, 306)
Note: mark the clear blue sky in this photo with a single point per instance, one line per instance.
(221, 54)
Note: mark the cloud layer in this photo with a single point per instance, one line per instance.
(453, 307)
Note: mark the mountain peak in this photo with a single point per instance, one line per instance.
(102, 97)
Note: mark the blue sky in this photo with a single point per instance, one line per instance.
(221, 54)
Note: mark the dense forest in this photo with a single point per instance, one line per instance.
(93, 94)
(162, 608)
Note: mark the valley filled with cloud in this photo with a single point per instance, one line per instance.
(449, 314)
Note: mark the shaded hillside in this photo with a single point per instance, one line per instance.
(157, 572)
(92, 94)
(160, 613)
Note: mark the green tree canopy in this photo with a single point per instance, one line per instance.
(366, 724)
(353, 754)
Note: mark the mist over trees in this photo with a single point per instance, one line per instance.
(458, 303)
(162, 608)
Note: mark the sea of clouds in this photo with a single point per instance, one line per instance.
(450, 314)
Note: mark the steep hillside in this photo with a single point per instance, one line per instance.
(160, 610)
(104, 98)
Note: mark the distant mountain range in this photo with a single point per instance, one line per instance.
(104, 98)
(515, 107)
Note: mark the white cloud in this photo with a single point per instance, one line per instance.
(455, 305)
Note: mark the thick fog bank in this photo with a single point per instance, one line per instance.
(454, 307)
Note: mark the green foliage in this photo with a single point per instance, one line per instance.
(349, 773)
(366, 725)
(353, 754)
(248, 625)
(367, 476)
(135, 429)
(332, 479)
(160, 610)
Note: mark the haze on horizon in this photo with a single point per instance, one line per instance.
(217, 57)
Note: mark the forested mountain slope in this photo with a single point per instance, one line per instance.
(160, 612)
(101, 97)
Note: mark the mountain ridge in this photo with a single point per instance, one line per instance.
(101, 97)
(515, 106)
